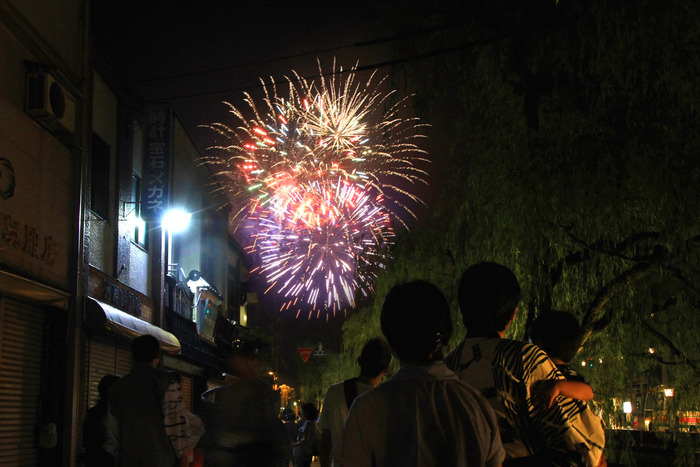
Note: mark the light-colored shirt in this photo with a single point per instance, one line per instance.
(423, 415)
(335, 410)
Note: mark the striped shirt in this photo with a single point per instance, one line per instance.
(504, 371)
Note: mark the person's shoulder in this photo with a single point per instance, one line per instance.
(120, 383)
(453, 356)
(518, 353)
(465, 388)
(164, 379)
(524, 348)
(368, 397)
(515, 344)
(335, 387)
(97, 410)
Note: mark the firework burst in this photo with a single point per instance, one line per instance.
(318, 178)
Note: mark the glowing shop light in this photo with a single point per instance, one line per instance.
(627, 407)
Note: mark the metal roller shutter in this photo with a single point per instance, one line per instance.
(124, 361)
(106, 355)
(101, 362)
(21, 337)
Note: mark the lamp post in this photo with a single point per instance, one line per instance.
(174, 220)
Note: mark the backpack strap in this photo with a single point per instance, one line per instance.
(350, 387)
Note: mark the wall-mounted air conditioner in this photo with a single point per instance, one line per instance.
(49, 103)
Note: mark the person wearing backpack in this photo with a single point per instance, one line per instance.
(374, 362)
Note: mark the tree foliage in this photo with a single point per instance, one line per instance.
(566, 145)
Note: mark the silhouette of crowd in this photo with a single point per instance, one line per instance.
(490, 401)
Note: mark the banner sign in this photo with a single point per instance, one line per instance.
(156, 161)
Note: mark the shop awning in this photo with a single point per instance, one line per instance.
(99, 315)
(26, 289)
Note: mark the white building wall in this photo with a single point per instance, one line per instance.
(58, 23)
(101, 232)
(207, 236)
(41, 166)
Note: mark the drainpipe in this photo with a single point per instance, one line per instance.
(79, 264)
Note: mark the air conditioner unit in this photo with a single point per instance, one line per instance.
(49, 103)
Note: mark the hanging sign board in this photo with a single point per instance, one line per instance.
(156, 161)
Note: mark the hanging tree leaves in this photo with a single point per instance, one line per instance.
(566, 143)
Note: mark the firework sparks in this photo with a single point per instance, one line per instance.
(319, 177)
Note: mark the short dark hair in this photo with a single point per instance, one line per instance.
(415, 317)
(288, 415)
(310, 411)
(557, 333)
(488, 295)
(374, 357)
(145, 348)
(105, 383)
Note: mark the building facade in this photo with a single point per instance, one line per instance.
(87, 172)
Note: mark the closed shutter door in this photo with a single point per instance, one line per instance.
(21, 337)
(106, 355)
(124, 360)
(186, 383)
(101, 361)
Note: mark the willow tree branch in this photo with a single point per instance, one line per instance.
(592, 319)
(617, 249)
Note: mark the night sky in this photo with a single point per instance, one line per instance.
(197, 54)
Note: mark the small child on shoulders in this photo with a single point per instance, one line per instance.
(557, 332)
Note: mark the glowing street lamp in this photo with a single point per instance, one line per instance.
(176, 220)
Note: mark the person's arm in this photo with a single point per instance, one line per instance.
(560, 426)
(326, 446)
(544, 393)
(307, 435)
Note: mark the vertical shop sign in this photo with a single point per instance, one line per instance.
(156, 161)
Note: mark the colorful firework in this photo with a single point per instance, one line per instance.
(318, 180)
